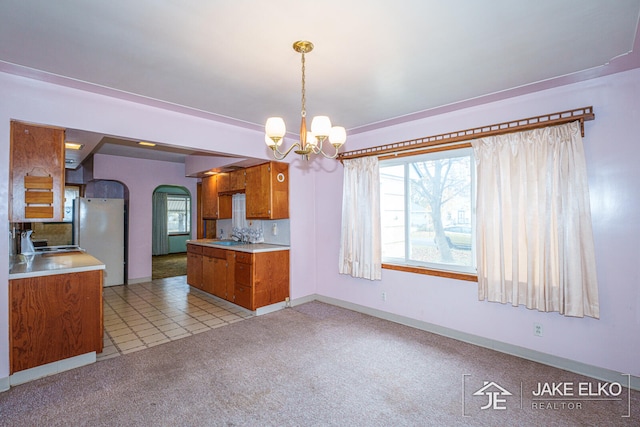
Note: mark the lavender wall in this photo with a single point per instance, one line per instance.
(612, 342)
(612, 151)
(46, 103)
(141, 177)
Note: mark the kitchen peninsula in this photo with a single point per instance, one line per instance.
(55, 312)
(251, 275)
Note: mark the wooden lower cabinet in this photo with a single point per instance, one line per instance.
(194, 266)
(217, 272)
(251, 280)
(54, 317)
(261, 278)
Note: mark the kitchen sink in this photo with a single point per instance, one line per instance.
(57, 249)
(227, 242)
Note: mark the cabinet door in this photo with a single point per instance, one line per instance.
(231, 275)
(194, 266)
(209, 198)
(208, 274)
(268, 191)
(223, 182)
(243, 296)
(270, 278)
(243, 288)
(279, 180)
(54, 318)
(225, 206)
(237, 180)
(36, 173)
(220, 278)
(258, 192)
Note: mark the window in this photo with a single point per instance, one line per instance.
(71, 192)
(178, 214)
(427, 212)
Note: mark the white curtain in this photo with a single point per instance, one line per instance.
(360, 248)
(239, 212)
(534, 237)
(160, 235)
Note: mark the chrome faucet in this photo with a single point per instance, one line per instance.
(26, 244)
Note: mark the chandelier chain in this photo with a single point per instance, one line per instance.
(304, 93)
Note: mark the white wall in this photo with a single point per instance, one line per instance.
(613, 153)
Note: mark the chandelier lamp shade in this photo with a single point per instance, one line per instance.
(310, 141)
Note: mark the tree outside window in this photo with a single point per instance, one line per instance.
(426, 203)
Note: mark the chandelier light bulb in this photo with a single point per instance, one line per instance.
(275, 127)
(337, 136)
(311, 139)
(321, 126)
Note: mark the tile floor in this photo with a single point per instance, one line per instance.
(147, 314)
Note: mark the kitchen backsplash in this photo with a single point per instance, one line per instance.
(280, 226)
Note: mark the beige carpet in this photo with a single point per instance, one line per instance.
(311, 365)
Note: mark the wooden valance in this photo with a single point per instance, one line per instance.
(581, 114)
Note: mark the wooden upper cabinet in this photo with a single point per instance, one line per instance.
(225, 206)
(36, 187)
(223, 182)
(237, 180)
(210, 197)
(267, 191)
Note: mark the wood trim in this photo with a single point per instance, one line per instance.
(432, 272)
(425, 151)
(580, 114)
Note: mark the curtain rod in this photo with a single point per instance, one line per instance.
(581, 114)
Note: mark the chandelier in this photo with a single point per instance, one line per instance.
(321, 129)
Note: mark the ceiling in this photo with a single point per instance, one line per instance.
(375, 62)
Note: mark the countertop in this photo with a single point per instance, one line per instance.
(252, 248)
(48, 264)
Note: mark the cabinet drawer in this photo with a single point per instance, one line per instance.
(194, 249)
(243, 257)
(243, 274)
(243, 296)
(214, 252)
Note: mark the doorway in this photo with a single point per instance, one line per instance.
(171, 230)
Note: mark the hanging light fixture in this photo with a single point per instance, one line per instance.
(321, 129)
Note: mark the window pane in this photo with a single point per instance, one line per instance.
(392, 211)
(178, 214)
(427, 216)
(71, 192)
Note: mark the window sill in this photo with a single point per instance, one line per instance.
(431, 272)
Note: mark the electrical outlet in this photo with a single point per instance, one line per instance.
(537, 329)
(384, 296)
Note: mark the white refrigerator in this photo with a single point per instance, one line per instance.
(98, 228)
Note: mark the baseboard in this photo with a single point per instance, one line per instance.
(533, 355)
(270, 308)
(140, 280)
(4, 384)
(306, 299)
(52, 368)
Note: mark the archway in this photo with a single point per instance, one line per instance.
(172, 207)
